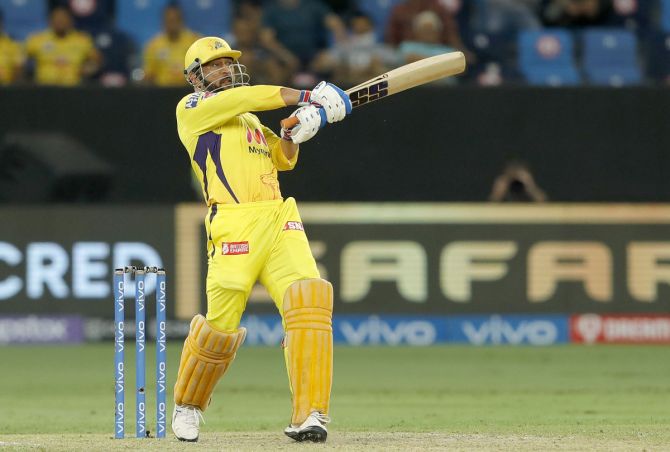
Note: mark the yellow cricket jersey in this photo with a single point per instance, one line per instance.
(58, 60)
(233, 155)
(11, 59)
(164, 59)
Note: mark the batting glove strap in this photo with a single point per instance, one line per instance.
(305, 97)
(286, 134)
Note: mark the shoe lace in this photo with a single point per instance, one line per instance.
(321, 417)
(193, 417)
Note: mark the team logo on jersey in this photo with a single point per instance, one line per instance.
(233, 248)
(192, 100)
(293, 226)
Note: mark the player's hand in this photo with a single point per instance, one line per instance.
(334, 101)
(311, 118)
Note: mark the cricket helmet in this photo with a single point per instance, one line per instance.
(209, 49)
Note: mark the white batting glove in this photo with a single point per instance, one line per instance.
(311, 118)
(334, 101)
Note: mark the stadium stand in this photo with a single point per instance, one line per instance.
(546, 57)
(610, 57)
(379, 11)
(24, 17)
(140, 19)
(665, 15)
(207, 17)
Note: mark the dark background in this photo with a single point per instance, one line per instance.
(583, 144)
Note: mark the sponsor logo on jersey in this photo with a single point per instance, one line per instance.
(293, 226)
(233, 248)
(192, 100)
(261, 151)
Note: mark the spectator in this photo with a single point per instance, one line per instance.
(516, 184)
(164, 54)
(426, 32)
(298, 29)
(91, 16)
(62, 55)
(262, 65)
(576, 13)
(400, 26)
(11, 57)
(360, 57)
(252, 12)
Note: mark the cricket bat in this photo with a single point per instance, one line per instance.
(401, 79)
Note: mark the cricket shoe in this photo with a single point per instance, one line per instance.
(313, 429)
(186, 422)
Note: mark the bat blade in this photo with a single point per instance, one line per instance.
(408, 76)
(400, 79)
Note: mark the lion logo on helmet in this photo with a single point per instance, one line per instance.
(215, 45)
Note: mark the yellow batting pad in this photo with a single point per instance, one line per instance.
(205, 358)
(308, 313)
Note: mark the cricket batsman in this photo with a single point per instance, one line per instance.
(253, 234)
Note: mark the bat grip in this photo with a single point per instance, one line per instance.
(289, 123)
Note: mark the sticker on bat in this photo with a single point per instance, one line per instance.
(369, 93)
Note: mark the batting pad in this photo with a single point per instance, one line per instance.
(205, 358)
(308, 313)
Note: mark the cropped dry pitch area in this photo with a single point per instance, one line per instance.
(384, 398)
(378, 441)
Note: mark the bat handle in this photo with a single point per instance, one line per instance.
(289, 123)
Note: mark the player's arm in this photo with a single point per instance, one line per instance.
(284, 152)
(211, 111)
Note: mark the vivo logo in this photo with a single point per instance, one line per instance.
(161, 337)
(119, 378)
(120, 415)
(500, 331)
(119, 337)
(161, 378)
(161, 296)
(263, 333)
(377, 331)
(140, 337)
(161, 419)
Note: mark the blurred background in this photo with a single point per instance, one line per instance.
(523, 202)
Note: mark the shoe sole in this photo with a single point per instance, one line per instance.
(313, 434)
(184, 440)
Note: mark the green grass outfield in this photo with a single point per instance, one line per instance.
(461, 398)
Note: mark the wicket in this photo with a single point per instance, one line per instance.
(140, 336)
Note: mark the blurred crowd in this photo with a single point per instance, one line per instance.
(298, 42)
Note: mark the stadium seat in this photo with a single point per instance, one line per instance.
(659, 57)
(665, 15)
(379, 11)
(116, 48)
(207, 17)
(497, 49)
(140, 19)
(610, 57)
(23, 17)
(546, 57)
